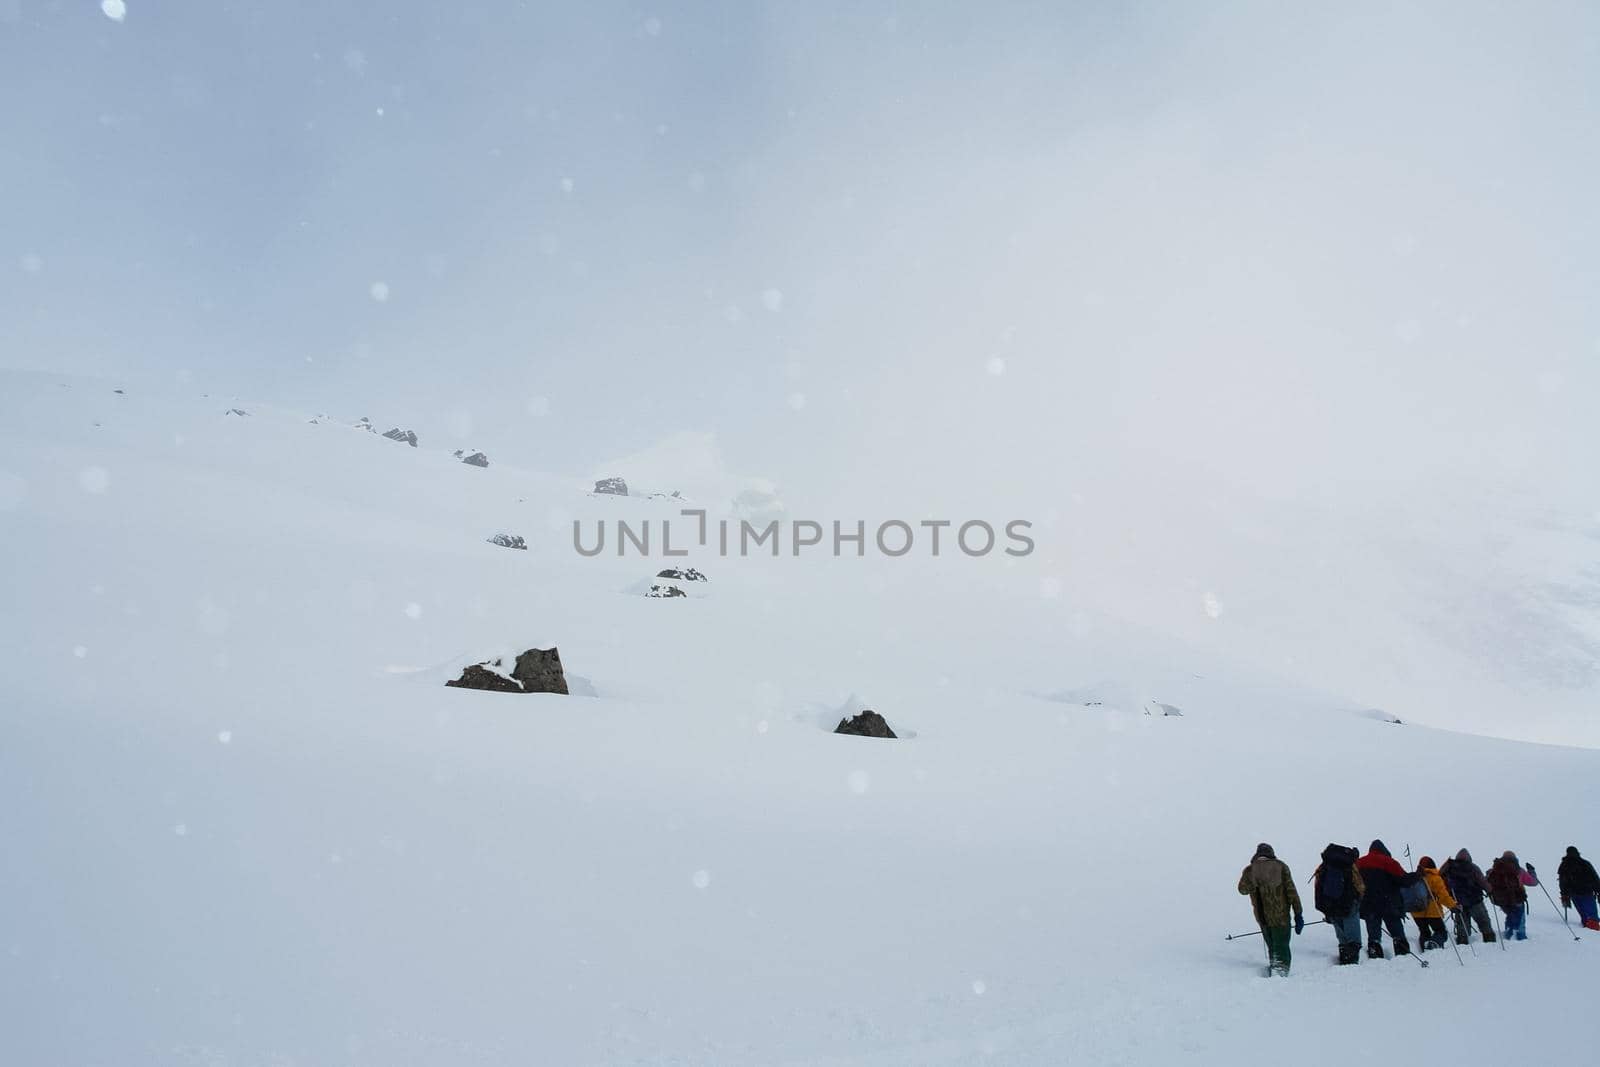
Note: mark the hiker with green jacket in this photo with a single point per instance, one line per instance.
(1270, 887)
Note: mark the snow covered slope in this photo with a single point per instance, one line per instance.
(246, 823)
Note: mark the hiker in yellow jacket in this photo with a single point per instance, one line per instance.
(1430, 920)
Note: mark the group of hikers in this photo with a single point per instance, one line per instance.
(1350, 889)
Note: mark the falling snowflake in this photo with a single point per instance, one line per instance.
(413, 610)
(797, 401)
(182, 829)
(979, 986)
(79, 651)
(1213, 606)
(115, 10)
(379, 291)
(32, 263)
(995, 366)
(701, 879)
(772, 299)
(567, 185)
(225, 736)
(652, 26)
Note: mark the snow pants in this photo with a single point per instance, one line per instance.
(1347, 928)
(1517, 921)
(1586, 908)
(1477, 913)
(1377, 923)
(1277, 938)
(1431, 931)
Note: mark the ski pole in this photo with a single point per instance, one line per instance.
(1564, 922)
(1499, 931)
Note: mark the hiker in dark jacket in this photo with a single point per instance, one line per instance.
(1337, 892)
(1507, 888)
(1380, 906)
(1270, 887)
(1468, 885)
(1579, 886)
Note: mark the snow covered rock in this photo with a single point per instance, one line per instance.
(538, 670)
(408, 436)
(611, 487)
(665, 591)
(236, 411)
(364, 423)
(472, 459)
(867, 723)
(683, 574)
(508, 541)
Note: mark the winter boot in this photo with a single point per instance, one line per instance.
(1591, 924)
(1374, 950)
(1402, 947)
(1461, 939)
(1350, 953)
(1489, 938)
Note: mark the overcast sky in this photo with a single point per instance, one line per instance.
(868, 245)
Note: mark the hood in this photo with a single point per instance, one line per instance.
(1264, 851)
(1464, 856)
(1379, 847)
(1425, 863)
(1572, 851)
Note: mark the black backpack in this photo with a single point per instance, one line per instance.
(1335, 891)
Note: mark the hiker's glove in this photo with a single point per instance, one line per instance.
(1531, 870)
(1565, 904)
(1299, 922)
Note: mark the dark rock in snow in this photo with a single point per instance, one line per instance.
(685, 574)
(665, 591)
(508, 541)
(537, 670)
(611, 487)
(867, 724)
(236, 411)
(478, 676)
(408, 436)
(365, 423)
(119, 392)
(477, 459)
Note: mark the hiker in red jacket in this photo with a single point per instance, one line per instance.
(1380, 906)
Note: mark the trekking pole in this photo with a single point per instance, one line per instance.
(1463, 926)
(1448, 936)
(1499, 933)
(1563, 915)
(1417, 955)
(1257, 933)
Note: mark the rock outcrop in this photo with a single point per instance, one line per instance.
(611, 487)
(408, 436)
(508, 541)
(866, 724)
(473, 459)
(682, 574)
(538, 670)
(665, 592)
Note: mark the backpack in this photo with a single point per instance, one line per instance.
(1414, 895)
(1335, 891)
